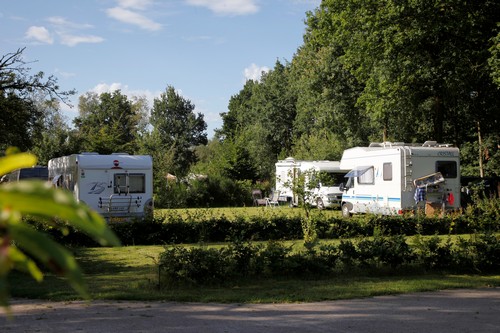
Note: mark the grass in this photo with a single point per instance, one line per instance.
(130, 273)
(231, 213)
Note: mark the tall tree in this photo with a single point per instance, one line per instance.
(20, 117)
(425, 57)
(108, 123)
(178, 129)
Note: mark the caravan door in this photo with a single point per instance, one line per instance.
(357, 196)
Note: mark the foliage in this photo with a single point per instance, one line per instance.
(107, 123)
(177, 128)
(209, 266)
(20, 113)
(494, 60)
(432, 64)
(262, 224)
(23, 247)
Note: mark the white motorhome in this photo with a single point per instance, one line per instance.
(118, 186)
(326, 175)
(393, 178)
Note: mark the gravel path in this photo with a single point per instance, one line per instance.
(476, 310)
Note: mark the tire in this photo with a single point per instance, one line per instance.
(320, 204)
(345, 211)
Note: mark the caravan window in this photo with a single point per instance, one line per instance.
(136, 183)
(367, 177)
(387, 171)
(447, 168)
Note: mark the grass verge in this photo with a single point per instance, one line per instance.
(130, 273)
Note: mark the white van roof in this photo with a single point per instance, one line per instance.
(114, 161)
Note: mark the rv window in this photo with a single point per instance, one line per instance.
(387, 171)
(136, 183)
(447, 168)
(366, 177)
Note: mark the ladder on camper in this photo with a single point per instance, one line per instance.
(407, 168)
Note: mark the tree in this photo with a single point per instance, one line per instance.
(177, 129)
(20, 117)
(424, 59)
(494, 60)
(108, 122)
(55, 137)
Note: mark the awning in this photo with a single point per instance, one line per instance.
(358, 171)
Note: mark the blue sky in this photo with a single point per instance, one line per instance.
(205, 49)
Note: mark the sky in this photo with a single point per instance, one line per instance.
(205, 49)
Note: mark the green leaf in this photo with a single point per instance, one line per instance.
(10, 163)
(24, 263)
(40, 199)
(51, 254)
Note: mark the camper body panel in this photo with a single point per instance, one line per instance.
(374, 191)
(118, 186)
(388, 186)
(326, 194)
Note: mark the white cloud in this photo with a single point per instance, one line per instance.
(135, 4)
(62, 23)
(227, 7)
(64, 74)
(39, 34)
(62, 30)
(72, 40)
(125, 90)
(126, 12)
(254, 72)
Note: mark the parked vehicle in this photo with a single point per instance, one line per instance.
(322, 180)
(394, 177)
(118, 186)
(36, 172)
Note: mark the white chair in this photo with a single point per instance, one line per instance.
(273, 200)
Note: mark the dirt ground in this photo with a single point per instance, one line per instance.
(444, 311)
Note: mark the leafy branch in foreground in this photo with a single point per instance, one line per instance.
(24, 248)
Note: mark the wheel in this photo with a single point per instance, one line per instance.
(320, 204)
(345, 211)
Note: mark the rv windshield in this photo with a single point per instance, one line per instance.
(329, 179)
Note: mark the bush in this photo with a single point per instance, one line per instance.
(202, 226)
(385, 254)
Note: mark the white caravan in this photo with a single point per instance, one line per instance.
(394, 178)
(327, 175)
(118, 186)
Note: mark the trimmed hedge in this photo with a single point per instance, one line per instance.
(382, 254)
(222, 229)
(202, 228)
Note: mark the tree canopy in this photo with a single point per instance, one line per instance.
(378, 71)
(21, 119)
(368, 70)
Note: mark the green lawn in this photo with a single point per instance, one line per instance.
(130, 273)
(234, 212)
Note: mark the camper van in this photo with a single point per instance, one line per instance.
(118, 186)
(392, 178)
(36, 172)
(325, 175)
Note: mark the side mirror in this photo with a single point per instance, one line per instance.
(342, 187)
